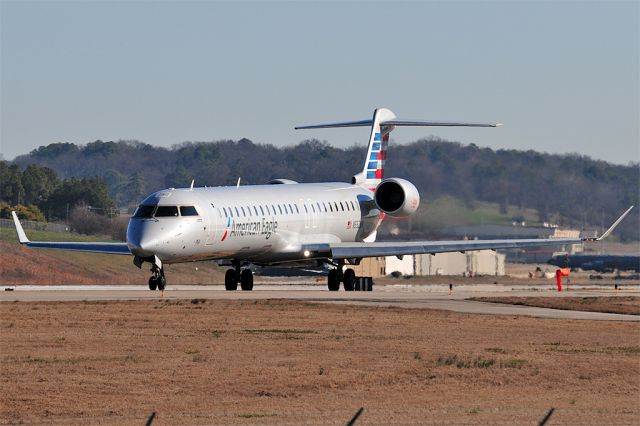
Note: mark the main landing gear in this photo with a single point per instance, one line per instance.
(157, 280)
(244, 276)
(336, 276)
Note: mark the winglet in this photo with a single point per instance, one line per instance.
(22, 237)
(612, 227)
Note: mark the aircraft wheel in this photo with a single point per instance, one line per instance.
(349, 277)
(153, 284)
(231, 280)
(162, 282)
(333, 280)
(246, 280)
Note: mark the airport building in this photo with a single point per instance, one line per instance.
(484, 262)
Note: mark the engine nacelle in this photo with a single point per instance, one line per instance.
(397, 197)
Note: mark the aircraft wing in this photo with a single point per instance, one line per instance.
(109, 248)
(401, 248)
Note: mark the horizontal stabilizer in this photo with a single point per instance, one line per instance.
(358, 123)
(438, 123)
(398, 123)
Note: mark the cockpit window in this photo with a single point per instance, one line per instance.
(144, 212)
(167, 211)
(188, 211)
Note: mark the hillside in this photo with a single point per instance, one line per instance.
(21, 265)
(571, 190)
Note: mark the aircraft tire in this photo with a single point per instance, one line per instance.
(333, 280)
(162, 282)
(349, 277)
(230, 280)
(246, 280)
(153, 284)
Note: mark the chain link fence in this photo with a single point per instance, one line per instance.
(38, 226)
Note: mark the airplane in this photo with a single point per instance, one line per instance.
(285, 222)
(597, 262)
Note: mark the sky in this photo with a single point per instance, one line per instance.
(563, 77)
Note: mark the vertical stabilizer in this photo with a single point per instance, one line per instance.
(373, 170)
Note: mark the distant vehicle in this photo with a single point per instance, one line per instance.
(596, 262)
(285, 222)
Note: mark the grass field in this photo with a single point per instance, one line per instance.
(21, 265)
(8, 235)
(435, 214)
(629, 305)
(280, 362)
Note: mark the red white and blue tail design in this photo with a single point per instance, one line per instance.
(373, 170)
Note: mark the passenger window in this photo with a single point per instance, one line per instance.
(335, 204)
(225, 211)
(313, 208)
(341, 206)
(290, 209)
(144, 212)
(167, 211)
(353, 206)
(330, 207)
(297, 211)
(189, 211)
(255, 210)
(262, 210)
(237, 212)
(306, 210)
(280, 208)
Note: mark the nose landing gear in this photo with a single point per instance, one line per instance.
(157, 280)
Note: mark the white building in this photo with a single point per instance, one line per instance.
(483, 262)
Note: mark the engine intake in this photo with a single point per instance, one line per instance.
(397, 197)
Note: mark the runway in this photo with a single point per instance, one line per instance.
(402, 296)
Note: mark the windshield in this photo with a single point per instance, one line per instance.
(188, 211)
(144, 212)
(167, 211)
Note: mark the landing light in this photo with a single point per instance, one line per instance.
(307, 253)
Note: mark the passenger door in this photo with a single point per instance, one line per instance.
(210, 224)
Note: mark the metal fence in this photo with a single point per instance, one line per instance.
(38, 226)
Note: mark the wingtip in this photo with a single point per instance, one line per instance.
(22, 237)
(614, 225)
(499, 124)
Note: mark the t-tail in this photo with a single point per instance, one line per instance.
(382, 123)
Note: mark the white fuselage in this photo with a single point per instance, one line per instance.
(258, 223)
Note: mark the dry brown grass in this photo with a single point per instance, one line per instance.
(225, 362)
(22, 265)
(615, 304)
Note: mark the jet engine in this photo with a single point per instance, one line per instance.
(397, 197)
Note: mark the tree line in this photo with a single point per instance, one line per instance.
(571, 188)
(38, 193)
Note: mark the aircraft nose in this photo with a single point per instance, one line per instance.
(139, 240)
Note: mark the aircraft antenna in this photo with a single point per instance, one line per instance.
(238, 184)
(192, 182)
